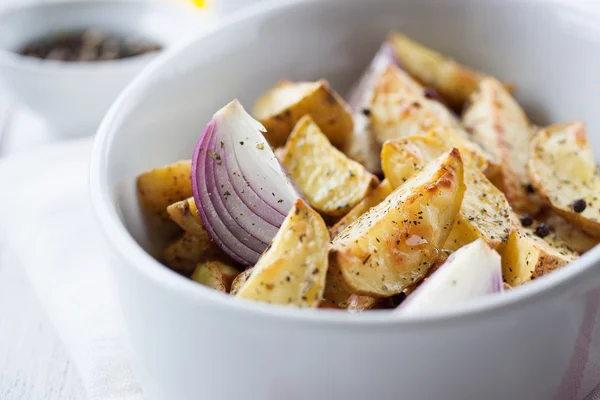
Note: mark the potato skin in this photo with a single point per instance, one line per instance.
(455, 82)
(527, 256)
(187, 251)
(563, 171)
(185, 214)
(383, 190)
(394, 244)
(161, 187)
(331, 182)
(499, 125)
(326, 107)
(292, 270)
(484, 212)
(215, 275)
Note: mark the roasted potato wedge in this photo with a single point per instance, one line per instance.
(189, 250)
(239, 281)
(185, 214)
(455, 82)
(161, 187)
(383, 190)
(574, 237)
(292, 271)
(484, 212)
(394, 244)
(282, 107)
(564, 173)
(499, 125)
(526, 256)
(215, 275)
(398, 111)
(331, 182)
(337, 293)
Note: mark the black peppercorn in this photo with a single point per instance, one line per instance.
(542, 230)
(579, 205)
(526, 220)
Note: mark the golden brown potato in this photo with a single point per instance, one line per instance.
(499, 125)
(383, 190)
(185, 214)
(239, 281)
(282, 107)
(526, 256)
(398, 111)
(394, 244)
(215, 275)
(161, 187)
(331, 182)
(337, 293)
(564, 173)
(484, 212)
(455, 82)
(293, 269)
(574, 237)
(362, 303)
(188, 251)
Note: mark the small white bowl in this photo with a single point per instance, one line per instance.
(73, 97)
(196, 343)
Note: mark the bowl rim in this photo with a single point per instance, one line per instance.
(15, 60)
(578, 278)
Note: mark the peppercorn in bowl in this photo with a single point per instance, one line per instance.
(68, 61)
(318, 158)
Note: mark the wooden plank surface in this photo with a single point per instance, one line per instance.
(33, 362)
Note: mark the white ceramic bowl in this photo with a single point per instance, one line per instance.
(73, 97)
(194, 343)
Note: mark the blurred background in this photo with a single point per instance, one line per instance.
(63, 62)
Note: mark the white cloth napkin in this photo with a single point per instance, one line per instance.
(48, 229)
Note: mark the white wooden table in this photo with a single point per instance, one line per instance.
(33, 362)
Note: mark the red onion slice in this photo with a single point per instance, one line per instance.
(211, 220)
(242, 192)
(225, 202)
(473, 271)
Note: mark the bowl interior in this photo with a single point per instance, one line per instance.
(550, 51)
(162, 22)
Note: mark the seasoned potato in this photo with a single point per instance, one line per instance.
(282, 107)
(564, 173)
(455, 82)
(398, 111)
(526, 256)
(215, 275)
(239, 281)
(484, 212)
(362, 303)
(188, 251)
(337, 293)
(574, 237)
(394, 244)
(383, 190)
(331, 182)
(185, 214)
(499, 125)
(292, 271)
(161, 187)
